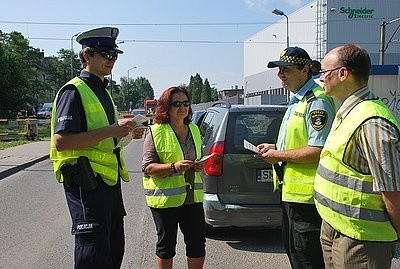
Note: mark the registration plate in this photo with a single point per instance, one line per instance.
(263, 175)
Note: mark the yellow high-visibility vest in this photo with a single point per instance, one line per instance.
(171, 191)
(101, 156)
(298, 183)
(344, 197)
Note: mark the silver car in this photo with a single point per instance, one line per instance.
(238, 188)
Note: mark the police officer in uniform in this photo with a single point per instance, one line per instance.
(85, 131)
(302, 135)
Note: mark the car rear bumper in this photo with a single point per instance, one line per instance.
(218, 214)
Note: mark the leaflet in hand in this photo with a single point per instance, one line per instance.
(204, 158)
(249, 146)
(140, 119)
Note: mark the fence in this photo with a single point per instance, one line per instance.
(15, 129)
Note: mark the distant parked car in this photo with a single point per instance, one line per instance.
(238, 188)
(137, 111)
(45, 111)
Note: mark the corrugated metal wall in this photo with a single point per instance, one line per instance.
(333, 28)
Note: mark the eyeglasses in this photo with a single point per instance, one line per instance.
(109, 55)
(323, 72)
(180, 103)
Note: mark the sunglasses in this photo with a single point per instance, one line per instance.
(109, 55)
(180, 103)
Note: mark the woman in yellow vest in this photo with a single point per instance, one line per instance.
(172, 183)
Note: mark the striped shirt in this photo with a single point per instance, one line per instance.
(375, 146)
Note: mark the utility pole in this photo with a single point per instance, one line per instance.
(72, 54)
(383, 46)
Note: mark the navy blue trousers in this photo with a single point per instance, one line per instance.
(98, 225)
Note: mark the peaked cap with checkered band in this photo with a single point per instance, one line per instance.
(291, 56)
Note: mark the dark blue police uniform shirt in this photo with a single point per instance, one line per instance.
(70, 113)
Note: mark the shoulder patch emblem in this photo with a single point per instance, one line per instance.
(318, 119)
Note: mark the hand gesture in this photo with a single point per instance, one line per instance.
(138, 131)
(198, 166)
(122, 127)
(265, 147)
(183, 165)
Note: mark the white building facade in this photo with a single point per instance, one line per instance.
(319, 27)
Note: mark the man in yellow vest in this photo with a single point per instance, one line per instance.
(357, 186)
(85, 129)
(302, 135)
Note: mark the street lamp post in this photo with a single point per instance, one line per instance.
(281, 13)
(72, 54)
(384, 47)
(130, 70)
(123, 96)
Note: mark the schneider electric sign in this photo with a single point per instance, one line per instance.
(357, 13)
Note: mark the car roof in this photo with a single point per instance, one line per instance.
(247, 108)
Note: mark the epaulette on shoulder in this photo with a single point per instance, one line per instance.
(310, 96)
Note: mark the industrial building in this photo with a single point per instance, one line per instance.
(318, 27)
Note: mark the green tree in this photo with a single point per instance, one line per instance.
(206, 92)
(214, 94)
(195, 88)
(144, 90)
(18, 68)
(59, 68)
(136, 91)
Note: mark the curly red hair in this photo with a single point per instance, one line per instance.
(164, 104)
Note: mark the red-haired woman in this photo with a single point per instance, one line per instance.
(172, 183)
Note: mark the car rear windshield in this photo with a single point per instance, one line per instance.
(257, 128)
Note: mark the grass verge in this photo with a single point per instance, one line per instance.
(15, 138)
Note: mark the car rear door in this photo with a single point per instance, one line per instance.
(247, 179)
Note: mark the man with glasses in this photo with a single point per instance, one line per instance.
(302, 135)
(357, 186)
(85, 131)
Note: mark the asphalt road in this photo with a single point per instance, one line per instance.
(35, 227)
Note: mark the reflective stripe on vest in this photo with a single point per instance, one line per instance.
(171, 191)
(101, 156)
(344, 197)
(298, 184)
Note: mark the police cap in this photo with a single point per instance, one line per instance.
(291, 56)
(99, 38)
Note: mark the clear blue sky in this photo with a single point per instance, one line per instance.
(168, 40)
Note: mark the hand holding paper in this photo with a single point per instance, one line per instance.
(140, 119)
(204, 158)
(136, 133)
(251, 147)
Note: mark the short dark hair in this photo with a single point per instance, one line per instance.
(356, 59)
(87, 50)
(164, 103)
(313, 68)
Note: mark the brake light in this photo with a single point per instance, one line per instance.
(213, 165)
